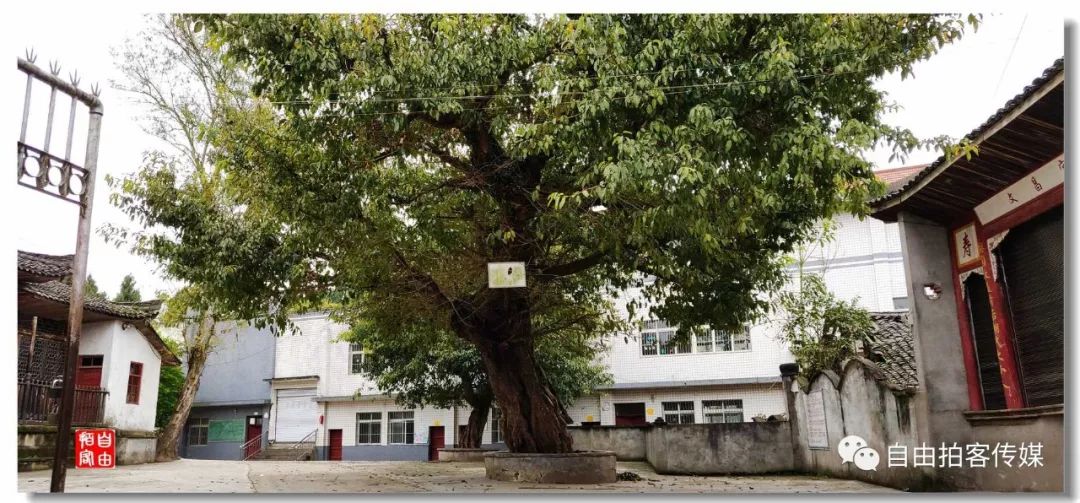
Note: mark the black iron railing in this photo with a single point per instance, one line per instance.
(40, 403)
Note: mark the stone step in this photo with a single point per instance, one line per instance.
(285, 453)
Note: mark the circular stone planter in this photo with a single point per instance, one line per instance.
(461, 454)
(582, 467)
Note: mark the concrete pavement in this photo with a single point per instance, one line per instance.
(205, 476)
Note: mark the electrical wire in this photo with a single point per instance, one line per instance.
(1008, 60)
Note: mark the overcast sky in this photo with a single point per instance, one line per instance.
(950, 94)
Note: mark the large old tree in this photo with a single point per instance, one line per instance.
(389, 159)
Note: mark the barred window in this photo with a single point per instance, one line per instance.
(368, 428)
(401, 427)
(198, 428)
(722, 411)
(356, 358)
(496, 428)
(657, 337)
(679, 412)
(721, 341)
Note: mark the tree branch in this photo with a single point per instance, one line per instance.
(427, 282)
(562, 326)
(574, 266)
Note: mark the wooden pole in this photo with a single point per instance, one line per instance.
(75, 305)
(33, 341)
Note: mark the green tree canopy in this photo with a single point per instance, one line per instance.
(128, 291)
(390, 158)
(91, 289)
(170, 384)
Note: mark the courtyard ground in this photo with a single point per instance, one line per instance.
(204, 476)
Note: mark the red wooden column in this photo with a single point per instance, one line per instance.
(967, 339)
(1003, 337)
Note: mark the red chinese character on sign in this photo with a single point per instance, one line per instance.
(95, 448)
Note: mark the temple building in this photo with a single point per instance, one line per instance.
(983, 245)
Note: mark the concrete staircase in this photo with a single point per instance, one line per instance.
(287, 452)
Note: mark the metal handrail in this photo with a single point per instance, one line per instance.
(302, 441)
(244, 448)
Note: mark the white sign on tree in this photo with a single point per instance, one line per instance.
(506, 275)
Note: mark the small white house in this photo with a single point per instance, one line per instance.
(120, 359)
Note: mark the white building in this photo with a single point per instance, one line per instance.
(736, 376)
(318, 394)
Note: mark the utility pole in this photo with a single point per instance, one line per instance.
(58, 177)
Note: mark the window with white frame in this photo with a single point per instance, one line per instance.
(356, 358)
(198, 428)
(401, 427)
(679, 412)
(723, 341)
(658, 338)
(496, 428)
(368, 428)
(722, 411)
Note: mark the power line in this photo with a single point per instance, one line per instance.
(479, 84)
(671, 90)
(1008, 60)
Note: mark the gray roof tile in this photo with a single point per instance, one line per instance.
(893, 348)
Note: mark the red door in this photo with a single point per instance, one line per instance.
(88, 374)
(630, 414)
(254, 431)
(436, 441)
(335, 445)
(89, 400)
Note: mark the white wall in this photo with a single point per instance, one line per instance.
(767, 399)
(863, 262)
(120, 346)
(627, 365)
(342, 415)
(315, 349)
(300, 352)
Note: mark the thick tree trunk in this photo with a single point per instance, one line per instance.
(474, 430)
(533, 419)
(169, 439)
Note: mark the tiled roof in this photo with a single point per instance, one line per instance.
(61, 292)
(898, 188)
(138, 314)
(40, 264)
(893, 348)
(894, 176)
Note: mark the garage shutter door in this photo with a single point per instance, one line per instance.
(297, 414)
(1032, 259)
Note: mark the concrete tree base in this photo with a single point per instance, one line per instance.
(583, 467)
(462, 454)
